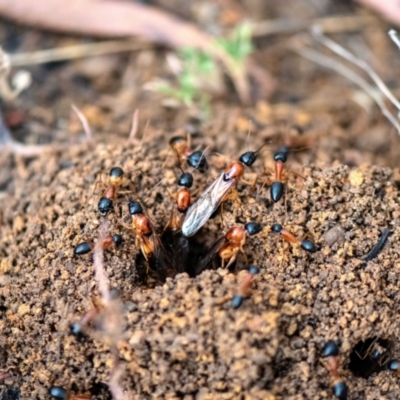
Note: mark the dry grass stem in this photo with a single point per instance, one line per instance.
(84, 122)
(334, 24)
(135, 125)
(76, 51)
(362, 64)
(342, 69)
(98, 263)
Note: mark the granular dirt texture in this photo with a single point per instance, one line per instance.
(181, 338)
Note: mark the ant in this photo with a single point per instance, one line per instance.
(331, 353)
(305, 244)
(182, 200)
(206, 205)
(60, 393)
(237, 300)
(77, 329)
(194, 159)
(108, 241)
(228, 246)
(277, 187)
(106, 202)
(148, 240)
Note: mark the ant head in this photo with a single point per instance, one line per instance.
(58, 393)
(277, 228)
(117, 239)
(180, 144)
(105, 206)
(116, 172)
(198, 161)
(116, 175)
(253, 228)
(76, 329)
(186, 180)
(330, 349)
(281, 156)
(253, 270)
(177, 141)
(135, 207)
(250, 157)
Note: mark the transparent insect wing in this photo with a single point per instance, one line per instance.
(200, 212)
(160, 260)
(211, 254)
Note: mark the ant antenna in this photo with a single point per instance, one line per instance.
(202, 156)
(135, 125)
(84, 122)
(248, 135)
(263, 145)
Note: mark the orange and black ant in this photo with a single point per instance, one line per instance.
(280, 174)
(206, 205)
(182, 199)
(106, 202)
(331, 354)
(194, 159)
(148, 240)
(59, 393)
(110, 240)
(288, 236)
(228, 246)
(245, 287)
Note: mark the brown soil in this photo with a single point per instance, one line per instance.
(181, 339)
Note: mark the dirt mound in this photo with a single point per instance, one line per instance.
(182, 338)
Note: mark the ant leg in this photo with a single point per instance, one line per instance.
(124, 225)
(222, 263)
(244, 255)
(171, 194)
(222, 214)
(98, 182)
(231, 261)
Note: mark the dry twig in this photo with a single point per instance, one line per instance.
(342, 69)
(76, 51)
(111, 315)
(84, 122)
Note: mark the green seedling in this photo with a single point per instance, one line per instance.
(198, 71)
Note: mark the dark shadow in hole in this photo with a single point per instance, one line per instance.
(370, 356)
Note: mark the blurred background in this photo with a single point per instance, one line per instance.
(227, 66)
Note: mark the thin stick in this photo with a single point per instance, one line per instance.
(333, 24)
(75, 51)
(98, 263)
(84, 122)
(114, 384)
(135, 125)
(393, 35)
(339, 67)
(347, 55)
